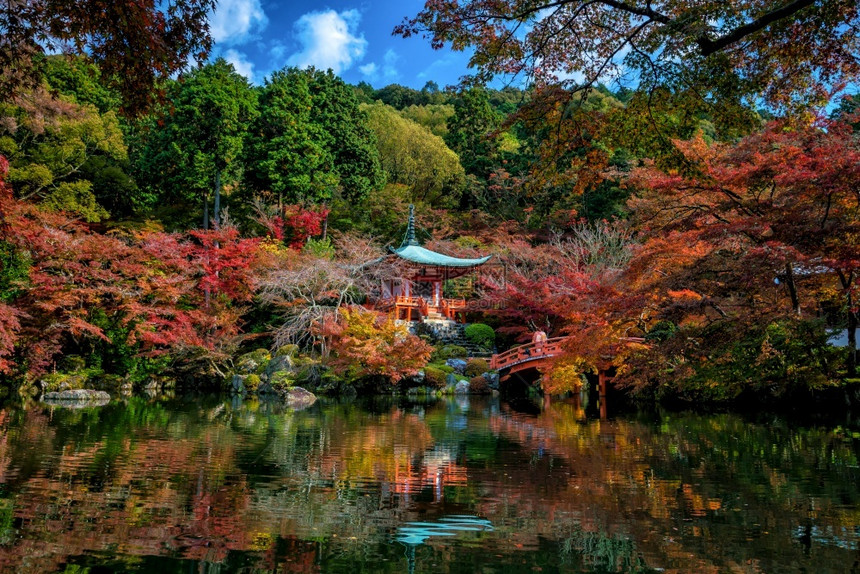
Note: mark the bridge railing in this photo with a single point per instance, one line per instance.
(528, 352)
(534, 351)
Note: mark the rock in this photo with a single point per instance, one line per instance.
(298, 398)
(462, 388)
(287, 351)
(253, 362)
(237, 384)
(266, 389)
(77, 395)
(451, 380)
(459, 365)
(492, 379)
(279, 363)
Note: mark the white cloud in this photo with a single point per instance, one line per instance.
(369, 71)
(236, 21)
(329, 40)
(389, 68)
(240, 62)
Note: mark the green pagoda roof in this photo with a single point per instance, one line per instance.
(411, 250)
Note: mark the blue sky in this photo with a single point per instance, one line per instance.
(351, 37)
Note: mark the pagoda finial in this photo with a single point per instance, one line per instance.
(409, 238)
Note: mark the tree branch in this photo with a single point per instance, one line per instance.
(708, 46)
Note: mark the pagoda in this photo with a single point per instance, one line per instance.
(417, 294)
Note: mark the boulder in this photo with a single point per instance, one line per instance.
(462, 388)
(237, 384)
(451, 380)
(298, 398)
(459, 365)
(253, 362)
(279, 363)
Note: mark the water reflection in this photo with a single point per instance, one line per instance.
(448, 486)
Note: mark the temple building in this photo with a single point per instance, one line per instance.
(418, 294)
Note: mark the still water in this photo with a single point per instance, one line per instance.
(460, 485)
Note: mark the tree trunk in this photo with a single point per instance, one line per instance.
(205, 210)
(846, 281)
(852, 338)
(792, 289)
(217, 215)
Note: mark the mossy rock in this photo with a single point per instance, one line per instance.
(442, 367)
(252, 382)
(109, 383)
(253, 362)
(55, 382)
(286, 351)
(445, 352)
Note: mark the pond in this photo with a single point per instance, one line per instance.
(457, 485)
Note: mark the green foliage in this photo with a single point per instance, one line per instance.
(662, 331)
(192, 146)
(76, 197)
(79, 78)
(481, 334)
(786, 358)
(311, 140)
(476, 367)
(469, 132)
(119, 354)
(57, 149)
(14, 271)
(322, 248)
(433, 117)
(412, 156)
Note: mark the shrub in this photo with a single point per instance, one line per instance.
(479, 386)
(434, 378)
(476, 367)
(481, 334)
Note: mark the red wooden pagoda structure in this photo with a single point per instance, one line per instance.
(418, 294)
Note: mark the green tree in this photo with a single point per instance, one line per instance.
(434, 117)
(56, 148)
(470, 132)
(193, 147)
(414, 157)
(311, 140)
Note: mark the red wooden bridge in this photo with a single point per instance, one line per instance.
(539, 355)
(529, 356)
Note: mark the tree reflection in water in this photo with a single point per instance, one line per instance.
(460, 485)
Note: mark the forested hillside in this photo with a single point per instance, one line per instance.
(165, 220)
